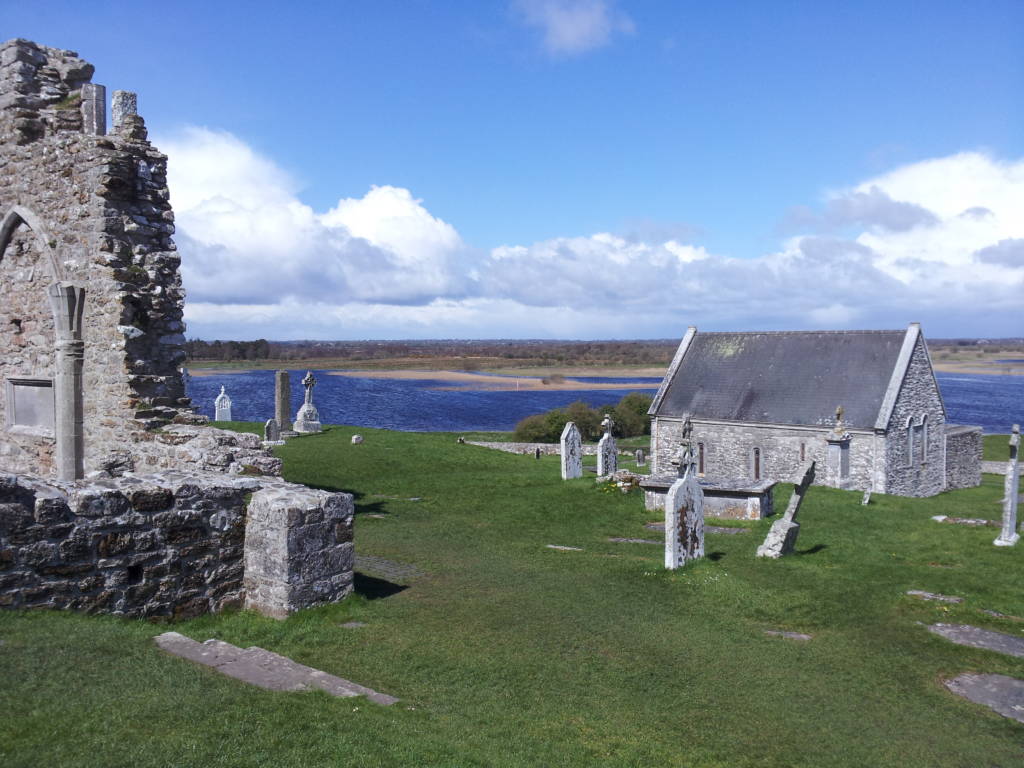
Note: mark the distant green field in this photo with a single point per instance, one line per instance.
(508, 653)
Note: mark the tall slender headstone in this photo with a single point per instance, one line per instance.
(1011, 489)
(283, 402)
(607, 451)
(572, 451)
(781, 538)
(684, 520)
(307, 420)
(222, 407)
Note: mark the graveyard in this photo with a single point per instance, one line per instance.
(503, 650)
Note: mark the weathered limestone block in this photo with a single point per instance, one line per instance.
(684, 521)
(299, 550)
(572, 452)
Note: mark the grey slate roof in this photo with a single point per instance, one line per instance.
(789, 377)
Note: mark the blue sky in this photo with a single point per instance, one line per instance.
(529, 150)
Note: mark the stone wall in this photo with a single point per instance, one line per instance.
(83, 207)
(174, 544)
(728, 451)
(546, 449)
(919, 404)
(963, 456)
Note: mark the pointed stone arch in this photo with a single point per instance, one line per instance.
(18, 215)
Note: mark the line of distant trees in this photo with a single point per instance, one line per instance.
(528, 352)
(629, 415)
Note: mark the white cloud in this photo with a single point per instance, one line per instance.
(937, 241)
(571, 27)
(245, 237)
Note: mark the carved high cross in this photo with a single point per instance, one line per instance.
(308, 382)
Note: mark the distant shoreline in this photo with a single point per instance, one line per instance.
(505, 382)
(570, 373)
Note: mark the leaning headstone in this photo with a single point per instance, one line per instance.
(866, 498)
(1008, 536)
(308, 419)
(640, 457)
(781, 538)
(283, 402)
(222, 406)
(684, 521)
(607, 451)
(572, 452)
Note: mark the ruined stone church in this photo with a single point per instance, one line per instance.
(864, 405)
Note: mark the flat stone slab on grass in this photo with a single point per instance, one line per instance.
(976, 637)
(262, 668)
(1003, 694)
(977, 521)
(563, 548)
(934, 596)
(352, 625)
(389, 569)
(788, 635)
(634, 541)
(707, 528)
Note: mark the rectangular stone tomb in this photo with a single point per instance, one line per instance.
(741, 501)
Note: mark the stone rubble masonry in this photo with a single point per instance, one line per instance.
(963, 456)
(299, 550)
(81, 206)
(169, 544)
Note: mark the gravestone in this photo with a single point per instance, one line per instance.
(1008, 536)
(684, 520)
(572, 452)
(640, 457)
(866, 498)
(283, 402)
(308, 419)
(272, 433)
(781, 538)
(357, 439)
(607, 451)
(222, 406)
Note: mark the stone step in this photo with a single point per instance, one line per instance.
(263, 668)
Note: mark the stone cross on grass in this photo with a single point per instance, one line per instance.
(1008, 536)
(781, 538)
(308, 418)
(684, 458)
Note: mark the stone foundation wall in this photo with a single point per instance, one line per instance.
(171, 544)
(728, 451)
(963, 457)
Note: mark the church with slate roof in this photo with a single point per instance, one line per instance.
(864, 405)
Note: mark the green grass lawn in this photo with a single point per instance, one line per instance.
(507, 653)
(995, 447)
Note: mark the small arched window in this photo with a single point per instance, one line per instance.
(700, 458)
(803, 452)
(756, 458)
(924, 438)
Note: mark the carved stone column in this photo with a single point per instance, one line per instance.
(67, 301)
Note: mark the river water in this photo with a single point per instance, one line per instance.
(992, 402)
